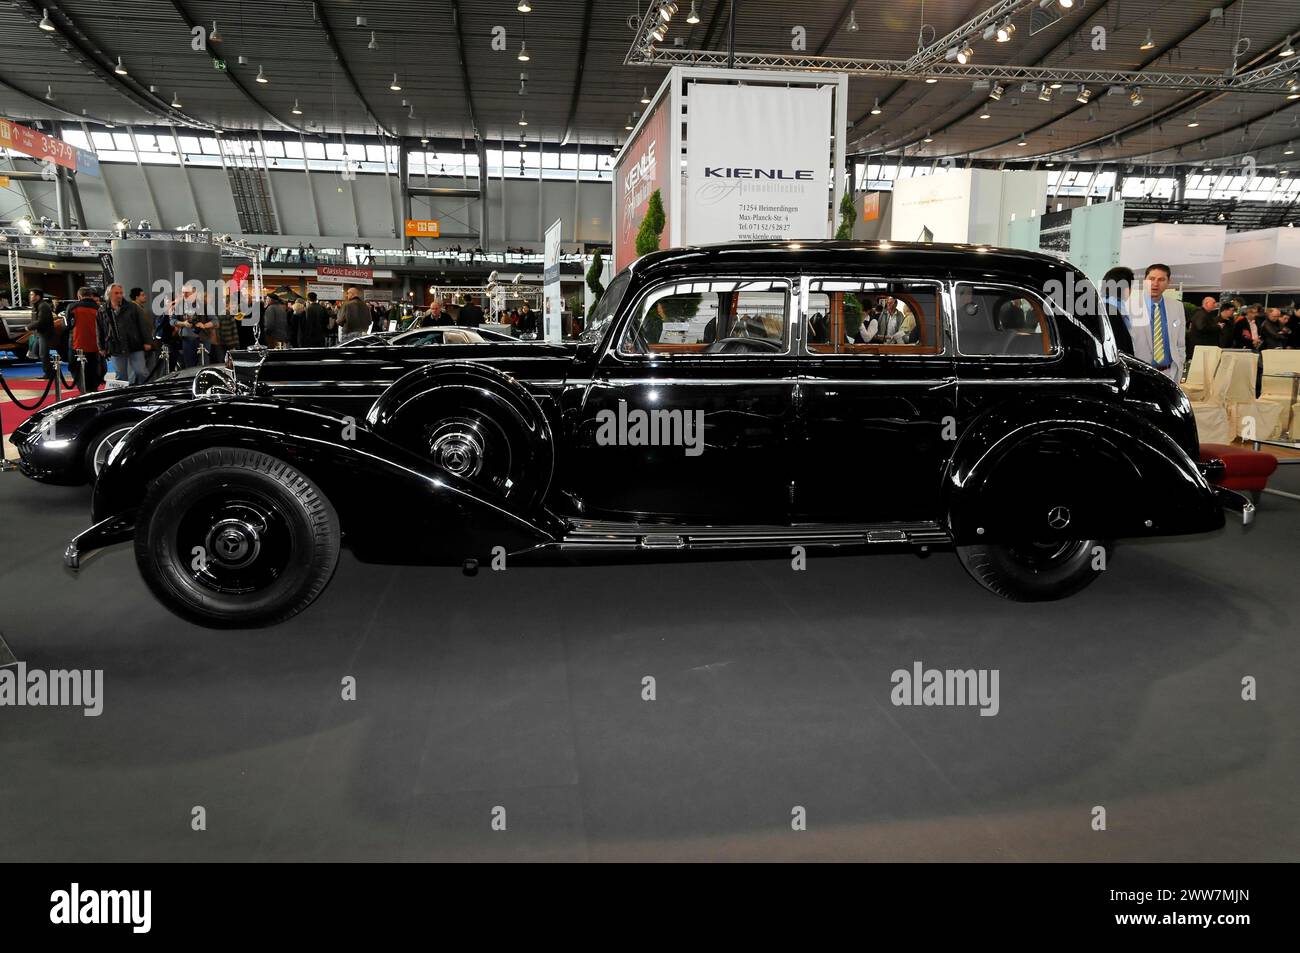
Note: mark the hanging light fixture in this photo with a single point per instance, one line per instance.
(1135, 97)
(875, 107)
(523, 6)
(213, 35)
(927, 137)
(1289, 150)
(523, 56)
(374, 42)
(523, 120)
(631, 122)
(1148, 43)
(49, 94)
(296, 110)
(645, 96)
(46, 23)
(996, 92)
(1193, 122)
(984, 113)
(1287, 49)
(395, 86)
(176, 101)
(852, 25)
(119, 69)
(1022, 141)
(261, 76)
(692, 18)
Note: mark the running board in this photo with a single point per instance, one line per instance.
(598, 535)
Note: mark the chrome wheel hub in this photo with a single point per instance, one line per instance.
(459, 449)
(234, 543)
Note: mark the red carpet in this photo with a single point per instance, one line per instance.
(26, 390)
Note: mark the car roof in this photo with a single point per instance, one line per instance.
(962, 260)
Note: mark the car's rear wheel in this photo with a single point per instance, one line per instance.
(1036, 571)
(231, 537)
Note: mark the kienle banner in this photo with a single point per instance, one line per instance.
(758, 163)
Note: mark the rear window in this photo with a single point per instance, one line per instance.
(1001, 320)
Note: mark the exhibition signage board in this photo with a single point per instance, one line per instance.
(553, 306)
(871, 207)
(326, 292)
(40, 146)
(345, 275)
(714, 140)
(757, 161)
(642, 168)
(1267, 259)
(423, 228)
(1194, 252)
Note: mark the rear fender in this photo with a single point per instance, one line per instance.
(1073, 468)
(394, 505)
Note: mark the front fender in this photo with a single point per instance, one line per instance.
(394, 505)
(1073, 468)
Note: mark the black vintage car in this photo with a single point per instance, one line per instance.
(750, 396)
(68, 442)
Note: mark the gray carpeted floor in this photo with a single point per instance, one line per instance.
(523, 689)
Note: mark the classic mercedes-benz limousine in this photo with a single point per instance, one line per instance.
(749, 396)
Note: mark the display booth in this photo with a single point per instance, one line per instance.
(758, 154)
(1088, 236)
(965, 205)
(1267, 260)
(1193, 252)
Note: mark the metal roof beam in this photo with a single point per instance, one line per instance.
(1275, 83)
(318, 11)
(191, 23)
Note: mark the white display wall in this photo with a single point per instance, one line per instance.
(1193, 252)
(965, 205)
(1263, 260)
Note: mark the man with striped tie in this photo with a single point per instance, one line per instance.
(1158, 324)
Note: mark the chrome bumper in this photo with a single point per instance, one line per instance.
(1232, 500)
(115, 529)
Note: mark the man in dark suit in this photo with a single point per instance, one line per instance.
(1203, 325)
(1116, 286)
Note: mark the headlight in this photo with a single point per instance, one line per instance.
(45, 426)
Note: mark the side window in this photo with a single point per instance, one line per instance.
(873, 317)
(994, 320)
(711, 317)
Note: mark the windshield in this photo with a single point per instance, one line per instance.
(605, 309)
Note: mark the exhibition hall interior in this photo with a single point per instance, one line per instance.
(649, 430)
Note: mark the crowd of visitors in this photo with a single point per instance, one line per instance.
(140, 339)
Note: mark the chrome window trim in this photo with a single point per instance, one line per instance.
(942, 296)
(1048, 315)
(785, 278)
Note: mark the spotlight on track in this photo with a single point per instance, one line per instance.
(996, 92)
(1085, 94)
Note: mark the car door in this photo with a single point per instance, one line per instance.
(689, 412)
(876, 400)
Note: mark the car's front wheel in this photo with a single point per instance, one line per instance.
(1036, 572)
(231, 537)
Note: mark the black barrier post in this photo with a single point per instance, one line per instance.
(81, 366)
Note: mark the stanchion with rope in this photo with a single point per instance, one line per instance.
(5, 465)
